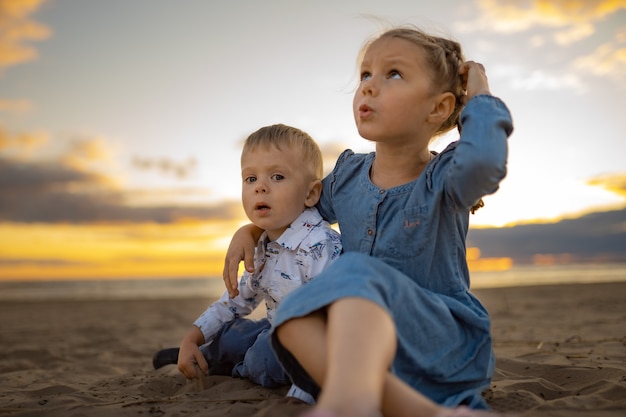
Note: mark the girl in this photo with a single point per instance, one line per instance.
(391, 327)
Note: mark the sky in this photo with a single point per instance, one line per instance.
(121, 123)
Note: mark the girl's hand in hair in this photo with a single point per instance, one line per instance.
(474, 80)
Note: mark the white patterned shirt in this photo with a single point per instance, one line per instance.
(307, 246)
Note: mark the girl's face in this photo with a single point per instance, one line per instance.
(395, 95)
(276, 187)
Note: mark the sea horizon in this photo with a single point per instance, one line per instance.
(213, 287)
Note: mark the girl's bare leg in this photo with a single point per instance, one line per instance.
(359, 357)
(348, 352)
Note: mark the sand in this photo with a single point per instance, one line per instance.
(561, 351)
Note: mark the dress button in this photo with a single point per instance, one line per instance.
(381, 191)
(369, 232)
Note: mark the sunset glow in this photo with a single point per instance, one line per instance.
(113, 251)
(120, 140)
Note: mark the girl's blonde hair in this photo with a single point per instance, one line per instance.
(280, 135)
(444, 58)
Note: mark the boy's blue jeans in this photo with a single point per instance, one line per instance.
(242, 349)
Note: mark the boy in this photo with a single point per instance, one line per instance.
(281, 169)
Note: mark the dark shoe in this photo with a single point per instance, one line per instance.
(165, 357)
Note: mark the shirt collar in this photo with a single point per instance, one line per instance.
(298, 229)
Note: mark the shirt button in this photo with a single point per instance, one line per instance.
(381, 191)
(369, 232)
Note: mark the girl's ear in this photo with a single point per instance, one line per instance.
(443, 108)
(315, 191)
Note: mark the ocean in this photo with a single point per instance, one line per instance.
(117, 289)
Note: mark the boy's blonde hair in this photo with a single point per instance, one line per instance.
(280, 135)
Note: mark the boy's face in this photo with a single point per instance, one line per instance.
(276, 188)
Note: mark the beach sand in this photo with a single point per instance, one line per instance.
(561, 351)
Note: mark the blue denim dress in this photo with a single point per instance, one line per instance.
(404, 249)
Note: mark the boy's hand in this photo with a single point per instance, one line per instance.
(474, 80)
(241, 248)
(188, 357)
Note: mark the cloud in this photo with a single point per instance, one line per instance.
(16, 106)
(573, 33)
(520, 15)
(614, 182)
(37, 177)
(166, 166)
(75, 186)
(599, 236)
(540, 80)
(90, 156)
(536, 79)
(51, 193)
(85, 153)
(557, 23)
(608, 59)
(16, 29)
(22, 144)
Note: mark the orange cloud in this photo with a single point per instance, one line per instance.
(23, 144)
(17, 106)
(575, 18)
(574, 33)
(16, 29)
(614, 182)
(514, 16)
(608, 59)
(84, 153)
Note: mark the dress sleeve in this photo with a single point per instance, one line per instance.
(479, 162)
(325, 206)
